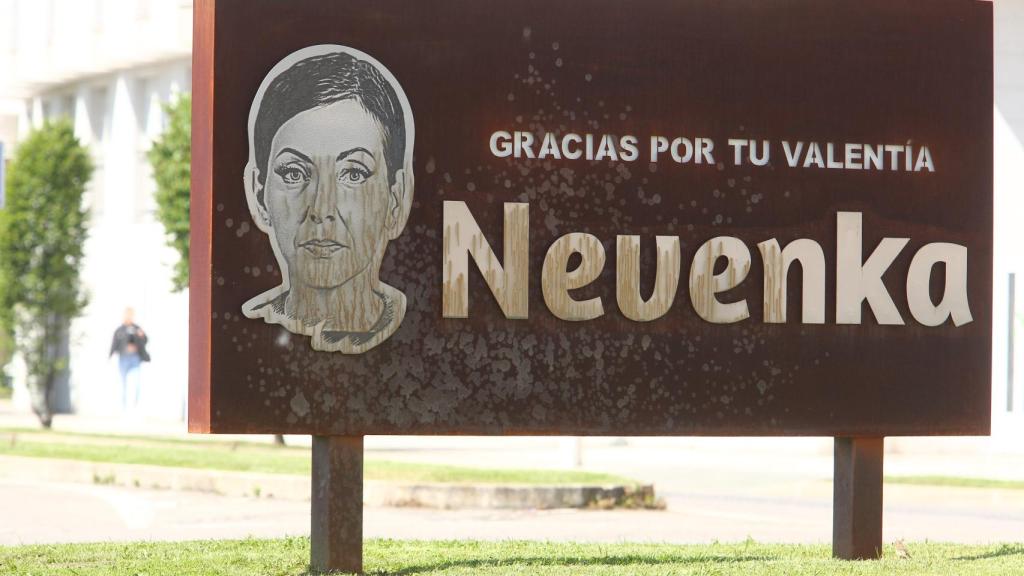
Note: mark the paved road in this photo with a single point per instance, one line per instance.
(55, 512)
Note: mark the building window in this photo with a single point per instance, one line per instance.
(1014, 345)
(98, 98)
(67, 107)
(142, 103)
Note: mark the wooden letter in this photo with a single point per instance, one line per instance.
(776, 270)
(627, 273)
(858, 280)
(463, 239)
(704, 283)
(556, 281)
(954, 293)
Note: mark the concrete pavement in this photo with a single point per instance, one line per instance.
(57, 512)
(716, 489)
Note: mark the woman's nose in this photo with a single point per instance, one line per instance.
(322, 207)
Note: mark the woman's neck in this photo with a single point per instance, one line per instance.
(352, 307)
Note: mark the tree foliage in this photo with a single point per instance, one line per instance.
(171, 158)
(42, 236)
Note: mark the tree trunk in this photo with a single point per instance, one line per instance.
(42, 401)
(47, 371)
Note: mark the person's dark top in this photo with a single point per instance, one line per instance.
(130, 335)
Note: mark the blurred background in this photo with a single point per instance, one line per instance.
(118, 71)
(108, 67)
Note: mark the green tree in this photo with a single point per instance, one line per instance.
(6, 352)
(171, 158)
(42, 234)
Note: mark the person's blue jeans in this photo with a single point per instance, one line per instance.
(130, 379)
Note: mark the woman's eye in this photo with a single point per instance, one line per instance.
(293, 176)
(352, 176)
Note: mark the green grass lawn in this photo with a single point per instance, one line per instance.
(420, 558)
(253, 457)
(256, 457)
(956, 481)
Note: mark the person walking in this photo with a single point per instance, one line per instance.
(130, 345)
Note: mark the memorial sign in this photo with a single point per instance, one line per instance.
(653, 218)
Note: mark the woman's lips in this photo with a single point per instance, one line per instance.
(320, 248)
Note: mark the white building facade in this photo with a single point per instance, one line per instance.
(1008, 312)
(109, 65)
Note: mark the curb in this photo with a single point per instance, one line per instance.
(291, 487)
(504, 496)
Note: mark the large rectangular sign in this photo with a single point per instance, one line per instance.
(719, 217)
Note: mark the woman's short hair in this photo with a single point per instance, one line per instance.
(323, 80)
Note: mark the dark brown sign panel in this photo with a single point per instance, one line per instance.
(552, 217)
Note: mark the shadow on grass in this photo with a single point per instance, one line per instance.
(625, 560)
(1004, 550)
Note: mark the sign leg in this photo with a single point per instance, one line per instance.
(336, 535)
(857, 498)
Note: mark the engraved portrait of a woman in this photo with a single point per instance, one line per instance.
(329, 180)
